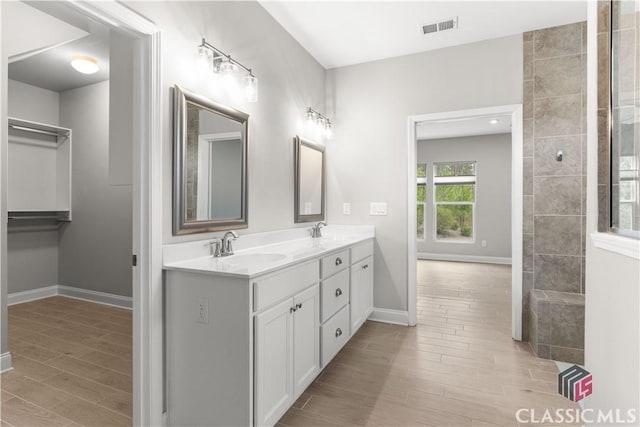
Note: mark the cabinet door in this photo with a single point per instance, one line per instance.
(361, 292)
(273, 363)
(306, 339)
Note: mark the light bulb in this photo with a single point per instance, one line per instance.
(227, 69)
(251, 88)
(84, 64)
(328, 131)
(205, 59)
(310, 116)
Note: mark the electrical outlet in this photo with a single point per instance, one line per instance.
(346, 208)
(484, 243)
(203, 310)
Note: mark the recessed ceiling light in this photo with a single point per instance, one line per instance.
(84, 64)
(494, 121)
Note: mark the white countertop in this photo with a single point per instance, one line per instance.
(261, 253)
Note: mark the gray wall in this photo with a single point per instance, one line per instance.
(95, 248)
(492, 154)
(32, 256)
(290, 81)
(371, 103)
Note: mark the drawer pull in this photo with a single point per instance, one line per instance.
(338, 261)
(338, 292)
(293, 309)
(338, 332)
(364, 267)
(298, 306)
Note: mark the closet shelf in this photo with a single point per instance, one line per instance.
(38, 215)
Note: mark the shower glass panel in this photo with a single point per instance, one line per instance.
(625, 117)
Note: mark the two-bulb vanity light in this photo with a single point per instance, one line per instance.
(320, 123)
(212, 59)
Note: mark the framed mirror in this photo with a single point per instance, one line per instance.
(210, 165)
(309, 191)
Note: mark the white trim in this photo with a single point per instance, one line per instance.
(71, 292)
(95, 296)
(395, 317)
(621, 245)
(465, 258)
(516, 205)
(32, 295)
(5, 362)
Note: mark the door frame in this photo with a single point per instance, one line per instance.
(515, 110)
(147, 202)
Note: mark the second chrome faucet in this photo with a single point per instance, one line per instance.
(223, 247)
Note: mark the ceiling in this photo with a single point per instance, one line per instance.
(340, 33)
(67, 32)
(453, 128)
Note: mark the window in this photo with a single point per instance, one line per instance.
(421, 192)
(454, 201)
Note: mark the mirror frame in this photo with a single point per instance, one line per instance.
(180, 225)
(298, 143)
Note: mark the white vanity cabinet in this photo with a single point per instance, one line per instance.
(241, 347)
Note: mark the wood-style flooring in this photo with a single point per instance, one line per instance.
(72, 364)
(458, 367)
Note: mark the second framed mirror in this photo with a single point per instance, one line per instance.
(310, 187)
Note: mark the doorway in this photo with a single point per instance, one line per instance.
(146, 200)
(515, 114)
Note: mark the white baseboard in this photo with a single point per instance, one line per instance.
(5, 362)
(95, 296)
(465, 258)
(71, 292)
(396, 317)
(32, 295)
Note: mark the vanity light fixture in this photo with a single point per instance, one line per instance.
(320, 121)
(84, 64)
(219, 62)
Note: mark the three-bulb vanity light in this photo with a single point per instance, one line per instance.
(320, 122)
(213, 59)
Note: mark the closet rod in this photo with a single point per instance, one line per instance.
(56, 217)
(26, 129)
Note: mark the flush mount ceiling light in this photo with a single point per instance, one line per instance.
(320, 122)
(84, 64)
(494, 121)
(213, 59)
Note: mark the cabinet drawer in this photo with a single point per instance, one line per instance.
(335, 294)
(277, 286)
(334, 263)
(335, 334)
(361, 251)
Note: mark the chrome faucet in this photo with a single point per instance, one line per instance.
(316, 231)
(226, 248)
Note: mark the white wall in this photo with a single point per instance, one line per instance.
(492, 154)
(367, 160)
(290, 81)
(612, 297)
(95, 247)
(32, 256)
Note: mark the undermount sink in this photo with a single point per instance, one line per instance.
(252, 259)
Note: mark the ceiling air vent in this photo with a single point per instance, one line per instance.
(436, 27)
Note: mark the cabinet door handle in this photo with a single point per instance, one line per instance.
(299, 305)
(338, 332)
(338, 292)
(338, 261)
(293, 310)
(364, 267)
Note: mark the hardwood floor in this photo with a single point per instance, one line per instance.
(72, 364)
(458, 367)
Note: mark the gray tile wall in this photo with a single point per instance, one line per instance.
(554, 97)
(604, 146)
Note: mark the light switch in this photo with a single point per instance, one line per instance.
(484, 243)
(378, 208)
(346, 208)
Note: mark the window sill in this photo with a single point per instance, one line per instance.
(617, 244)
